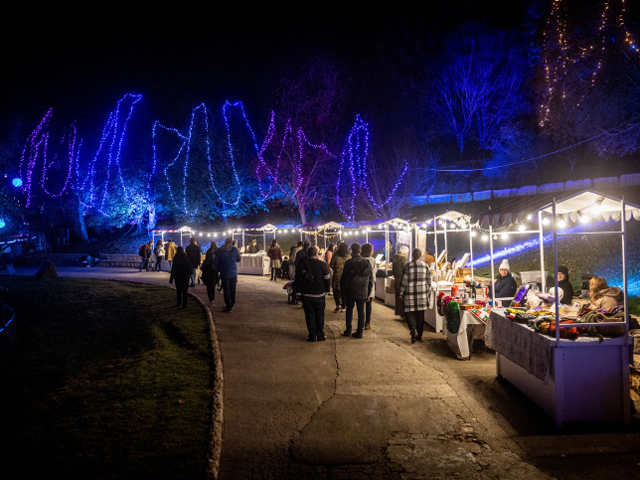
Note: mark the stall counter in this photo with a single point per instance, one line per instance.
(254, 265)
(575, 381)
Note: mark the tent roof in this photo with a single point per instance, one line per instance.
(520, 210)
(317, 226)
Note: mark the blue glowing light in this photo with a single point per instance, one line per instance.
(2, 223)
(17, 182)
(182, 165)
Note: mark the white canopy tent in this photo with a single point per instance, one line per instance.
(587, 380)
(462, 223)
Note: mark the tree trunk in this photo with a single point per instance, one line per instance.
(81, 223)
(303, 212)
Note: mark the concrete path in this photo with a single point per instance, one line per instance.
(379, 407)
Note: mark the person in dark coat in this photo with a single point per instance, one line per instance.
(505, 285)
(181, 270)
(145, 252)
(398, 263)
(301, 253)
(313, 281)
(195, 255)
(565, 285)
(209, 273)
(227, 259)
(275, 254)
(356, 284)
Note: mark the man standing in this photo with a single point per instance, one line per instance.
(399, 261)
(145, 252)
(170, 252)
(195, 255)
(302, 252)
(180, 272)
(356, 283)
(313, 281)
(414, 290)
(227, 259)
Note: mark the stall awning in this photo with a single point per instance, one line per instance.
(172, 229)
(313, 227)
(522, 210)
(591, 204)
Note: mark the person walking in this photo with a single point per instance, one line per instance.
(181, 270)
(275, 254)
(195, 255)
(313, 281)
(159, 252)
(227, 259)
(399, 261)
(337, 267)
(356, 284)
(145, 252)
(367, 253)
(414, 291)
(170, 252)
(210, 273)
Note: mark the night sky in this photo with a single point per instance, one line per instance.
(177, 58)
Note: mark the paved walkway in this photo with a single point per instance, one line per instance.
(379, 407)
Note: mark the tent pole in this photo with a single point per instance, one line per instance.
(471, 248)
(541, 236)
(493, 283)
(435, 240)
(555, 274)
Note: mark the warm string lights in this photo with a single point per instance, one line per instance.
(36, 160)
(565, 58)
(354, 172)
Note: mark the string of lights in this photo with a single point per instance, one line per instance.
(35, 158)
(198, 129)
(566, 58)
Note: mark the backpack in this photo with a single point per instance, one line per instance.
(141, 252)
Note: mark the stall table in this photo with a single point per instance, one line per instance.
(578, 380)
(254, 265)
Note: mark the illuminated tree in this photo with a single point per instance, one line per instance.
(293, 170)
(590, 82)
(205, 173)
(477, 87)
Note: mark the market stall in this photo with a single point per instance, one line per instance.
(572, 376)
(183, 233)
(445, 274)
(257, 263)
(402, 230)
(324, 229)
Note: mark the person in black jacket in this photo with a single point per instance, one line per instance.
(565, 285)
(313, 281)
(181, 270)
(195, 255)
(210, 273)
(505, 285)
(356, 284)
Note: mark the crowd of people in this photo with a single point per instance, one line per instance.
(349, 272)
(352, 272)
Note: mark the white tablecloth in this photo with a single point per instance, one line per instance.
(460, 341)
(254, 265)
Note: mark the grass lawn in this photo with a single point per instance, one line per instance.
(110, 380)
